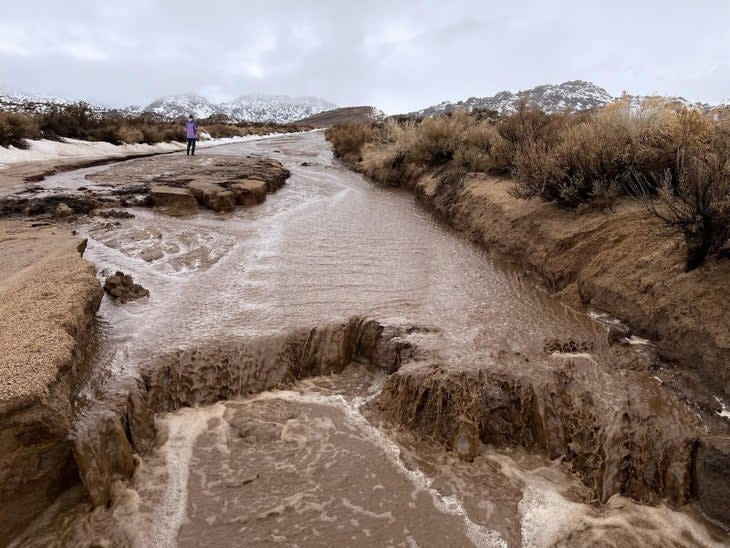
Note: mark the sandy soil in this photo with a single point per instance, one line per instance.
(47, 292)
(48, 298)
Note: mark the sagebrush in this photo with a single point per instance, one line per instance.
(571, 159)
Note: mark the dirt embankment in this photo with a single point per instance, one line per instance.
(48, 298)
(621, 262)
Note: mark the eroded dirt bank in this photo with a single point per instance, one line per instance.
(122, 424)
(623, 263)
(619, 262)
(48, 298)
(279, 465)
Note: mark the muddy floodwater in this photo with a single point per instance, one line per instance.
(319, 462)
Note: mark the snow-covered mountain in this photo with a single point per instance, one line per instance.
(274, 108)
(179, 106)
(18, 101)
(249, 108)
(575, 95)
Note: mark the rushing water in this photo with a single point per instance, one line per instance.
(306, 466)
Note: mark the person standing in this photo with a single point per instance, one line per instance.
(191, 130)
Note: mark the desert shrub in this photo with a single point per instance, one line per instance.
(694, 202)
(436, 140)
(130, 135)
(72, 121)
(403, 147)
(107, 132)
(16, 128)
(605, 152)
(173, 132)
(385, 158)
(214, 119)
(539, 169)
(479, 149)
(81, 121)
(219, 131)
(348, 139)
(529, 125)
(572, 159)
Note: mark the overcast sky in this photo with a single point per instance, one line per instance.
(396, 55)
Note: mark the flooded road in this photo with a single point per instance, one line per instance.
(320, 462)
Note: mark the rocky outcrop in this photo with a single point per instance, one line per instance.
(249, 192)
(175, 185)
(207, 176)
(64, 204)
(173, 201)
(121, 287)
(213, 196)
(47, 313)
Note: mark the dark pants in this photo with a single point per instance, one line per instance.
(191, 143)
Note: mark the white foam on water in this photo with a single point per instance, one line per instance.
(633, 339)
(184, 427)
(547, 516)
(724, 412)
(544, 515)
(479, 535)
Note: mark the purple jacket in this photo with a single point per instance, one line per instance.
(192, 129)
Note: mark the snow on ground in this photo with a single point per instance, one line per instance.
(72, 149)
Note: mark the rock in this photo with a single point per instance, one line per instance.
(122, 287)
(152, 253)
(711, 477)
(213, 196)
(249, 191)
(223, 202)
(174, 201)
(114, 214)
(63, 211)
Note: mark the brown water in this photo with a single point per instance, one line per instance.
(324, 461)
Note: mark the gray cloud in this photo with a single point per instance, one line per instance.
(395, 55)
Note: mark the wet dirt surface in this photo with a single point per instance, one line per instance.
(319, 463)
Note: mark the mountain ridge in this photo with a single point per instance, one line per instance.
(245, 108)
(575, 95)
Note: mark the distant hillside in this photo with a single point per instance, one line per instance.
(575, 95)
(247, 108)
(342, 115)
(17, 101)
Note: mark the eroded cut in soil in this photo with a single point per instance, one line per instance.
(475, 379)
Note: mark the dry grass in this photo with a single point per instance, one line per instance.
(16, 128)
(348, 139)
(570, 159)
(80, 121)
